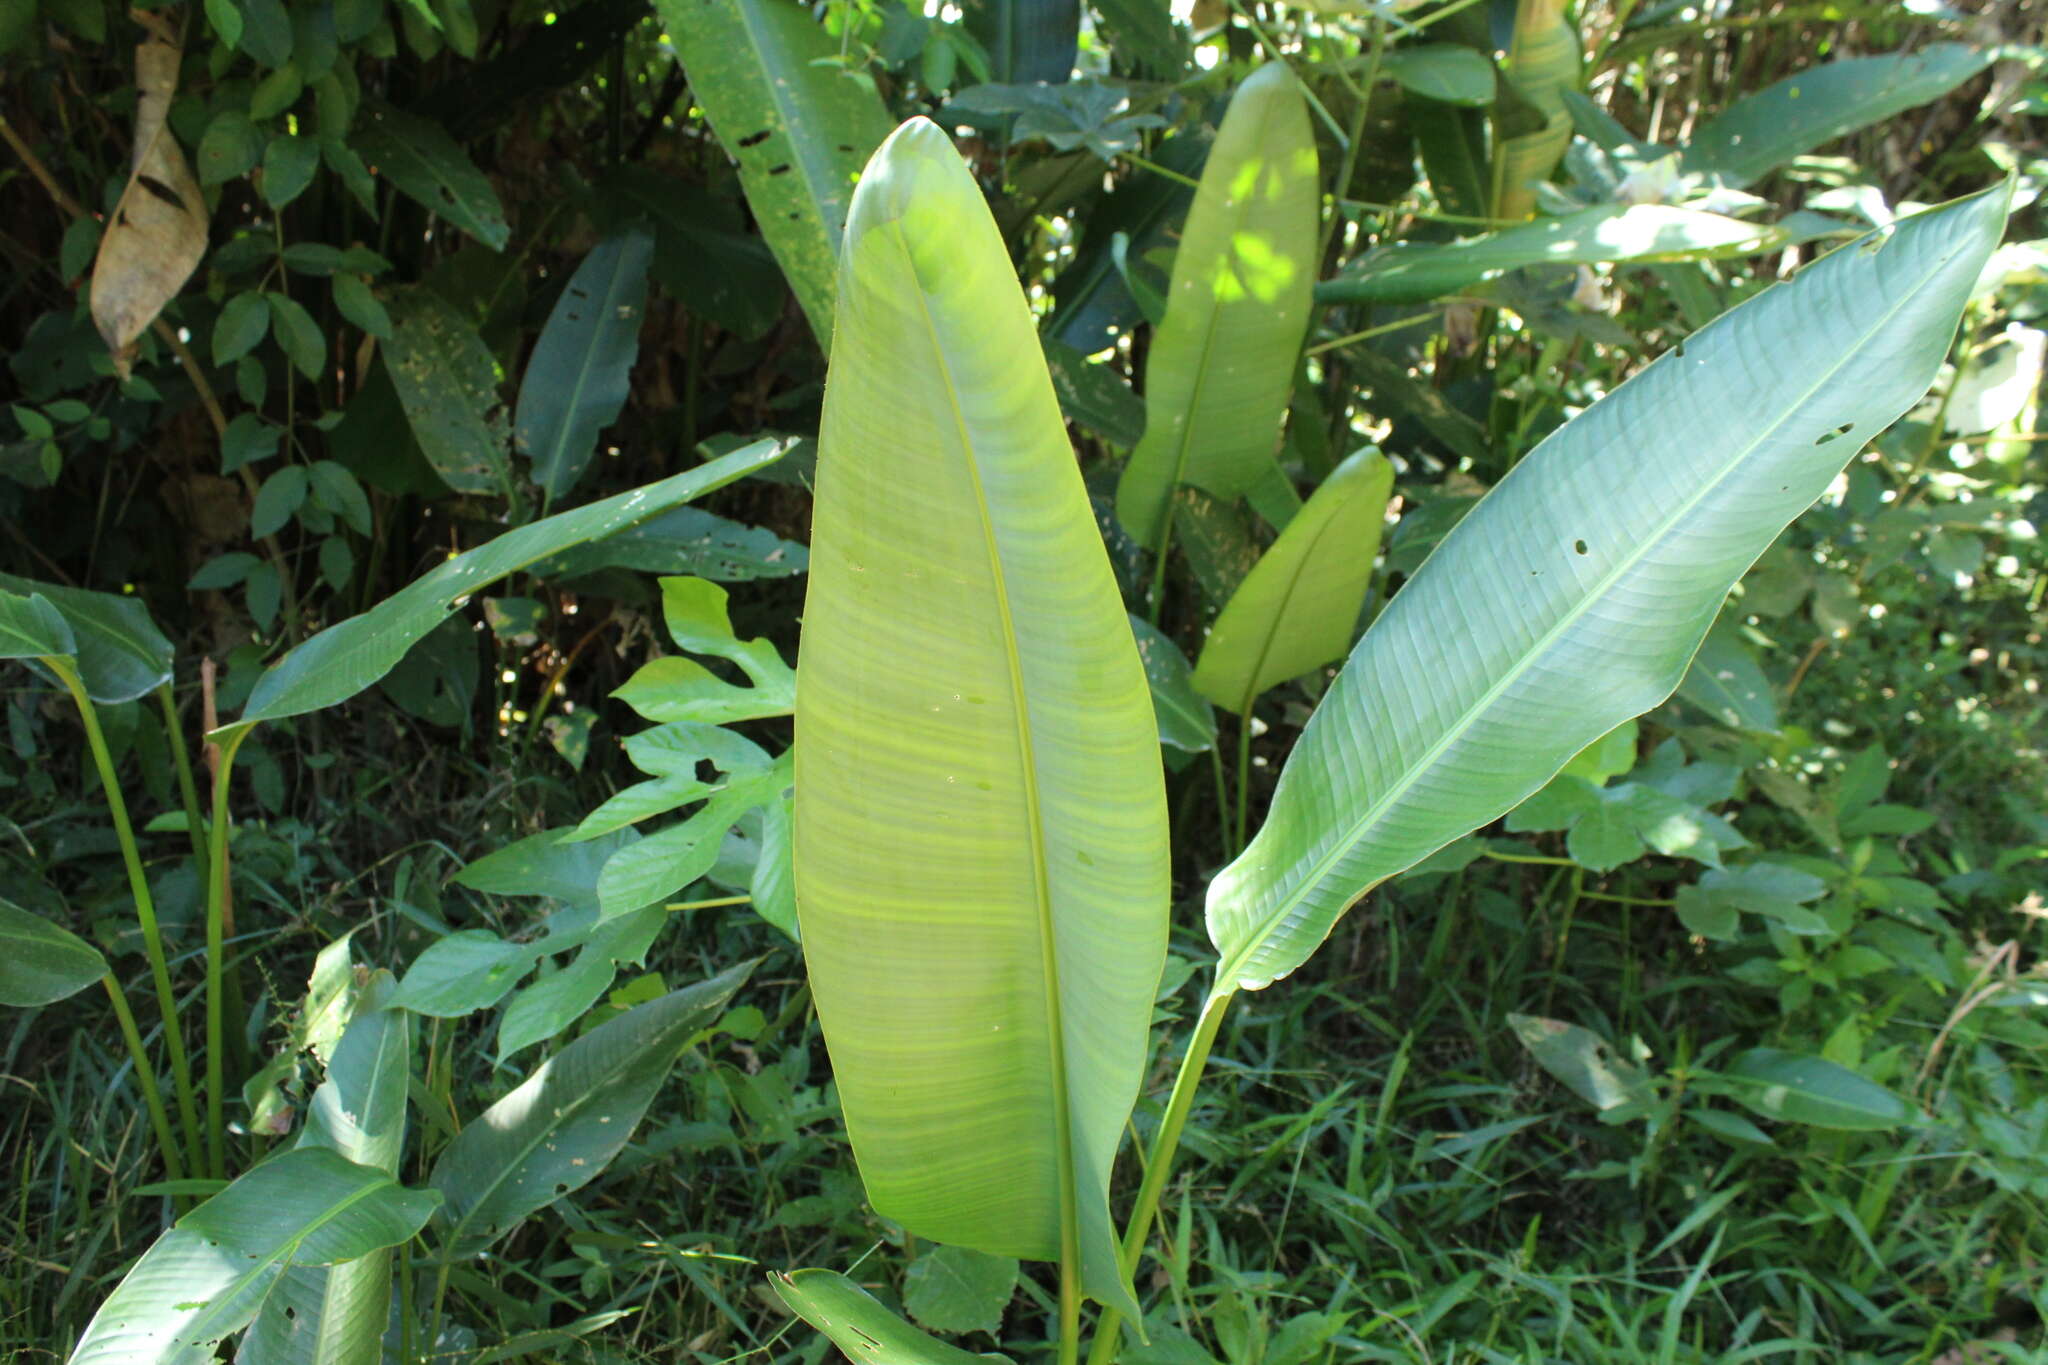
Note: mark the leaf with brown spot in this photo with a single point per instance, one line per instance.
(156, 235)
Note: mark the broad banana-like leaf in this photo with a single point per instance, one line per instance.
(121, 654)
(797, 120)
(562, 1125)
(336, 1314)
(1761, 132)
(206, 1277)
(1223, 360)
(40, 962)
(981, 872)
(344, 659)
(861, 1325)
(1576, 593)
(1297, 608)
(1414, 272)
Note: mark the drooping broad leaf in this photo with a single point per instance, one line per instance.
(1762, 131)
(430, 168)
(1414, 272)
(859, 1324)
(686, 540)
(30, 628)
(206, 1277)
(336, 1314)
(1575, 594)
(41, 963)
(800, 124)
(562, 1126)
(980, 816)
(1222, 362)
(1297, 608)
(577, 378)
(121, 654)
(346, 658)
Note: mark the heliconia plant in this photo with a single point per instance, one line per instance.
(980, 841)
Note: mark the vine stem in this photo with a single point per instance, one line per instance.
(216, 951)
(1159, 1162)
(145, 904)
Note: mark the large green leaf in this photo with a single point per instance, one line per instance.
(981, 866)
(862, 1325)
(346, 658)
(1413, 272)
(30, 628)
(336, 1315)
(208, 1275)
(41, 963)
(121, 654)
(1760, 132)
(447, 382)
(562, 1126)
(1297, 608)
(577, 378)
(799, 123)
(1220, 367)
(1575, 594)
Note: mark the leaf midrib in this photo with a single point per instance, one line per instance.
(1234, 967)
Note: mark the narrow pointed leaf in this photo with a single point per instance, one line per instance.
(980, 834)
(577, 378)
(429, 167)
(1413, 272)
(346, 658)
(206, 1278)
(1220, 368)
(1297, 608)
(563, 1125)
(41, 963)
(861, 1325)
(1760, 132)
(1576, 593)
(799, 122)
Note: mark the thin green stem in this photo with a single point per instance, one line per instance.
(1157, 169)
(1159, 1163)
(145, 1077)
(145, 904)
(1244, 779)
(1353, 338)
(1349, 162)
(1539, 859)
(216, 954)
(710, 904)
(1222, 791)
(188, 790)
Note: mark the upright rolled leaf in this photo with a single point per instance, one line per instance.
(1543, 62)
(981, 871)
(336, 1314)
(1220, 368)
(797, 120)
(1576, 593)
(1297, 608)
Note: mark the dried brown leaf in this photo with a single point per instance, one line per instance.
(156, 234)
